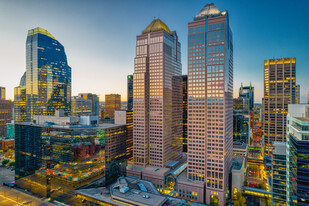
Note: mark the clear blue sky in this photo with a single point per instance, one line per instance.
(99, 37)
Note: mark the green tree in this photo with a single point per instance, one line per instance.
(12, 164)
(4, 162)
(246, 183)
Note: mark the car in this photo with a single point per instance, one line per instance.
(26, 202)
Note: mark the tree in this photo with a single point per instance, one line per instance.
(240, 200)
(4, 162)
(266, 200)
(246, 183)
(12, 164)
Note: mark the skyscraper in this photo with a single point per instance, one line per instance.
(81, 106)
(5, 115)
(48, 76)
(247, 92)
(2, 93)
(157, 97)
(297, 94)
(112, 103)
(20, 104)
(185, 113)
(298, 154)
(95, 107)
(130, 93)
(210, 98)
(279, 91)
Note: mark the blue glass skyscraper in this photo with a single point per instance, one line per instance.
(48, 76)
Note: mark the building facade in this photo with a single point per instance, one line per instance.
(247, 92)
(48, 76)
(157, 97)
(67, 155)
(279, 91)
(210, 102)
(126, 118)
(297, 94)
(5, 115)
(2, 93)
(279, 174)
(185, 113)
(81, 106)
(130, 93)
(298, 154)
(20, 104)
(112, 103)
(94, 102)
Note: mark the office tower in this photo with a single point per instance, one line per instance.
(112, 103)
(130, 93)
(241, 120)
(59, 152)
(298, 154)
(279, 174)
(247, 92)
(20, 104)
(210, 109)
(297, 94)
(5, 115)
(2, 93)
(81, 106)
(94, 101)
(279, 91)
(185, 113)
(48, 76)
(126, 118)
(157, 97)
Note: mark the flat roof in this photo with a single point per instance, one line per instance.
(135, 195)
(157, 171)
(99, 126)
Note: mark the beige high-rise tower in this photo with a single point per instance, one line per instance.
(279, 92)
(157, 97)
(210, 102)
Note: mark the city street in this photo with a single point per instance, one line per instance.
(11, 196)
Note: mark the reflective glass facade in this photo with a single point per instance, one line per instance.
(48, 76)
(298, 154)
(130, 93)
(20, 104)
(52, 160)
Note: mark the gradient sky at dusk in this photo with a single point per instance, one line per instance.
(99, 37)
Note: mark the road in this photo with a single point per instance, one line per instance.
(11, 196)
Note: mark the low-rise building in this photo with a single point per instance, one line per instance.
(57, 152)
(238, 174)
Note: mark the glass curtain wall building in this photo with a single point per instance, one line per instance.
(52, 160)
(210, 102)
(298, 154)
(48, 76)
(130, 93)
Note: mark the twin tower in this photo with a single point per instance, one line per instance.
(202, 175)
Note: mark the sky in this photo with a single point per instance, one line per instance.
(99, 37)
